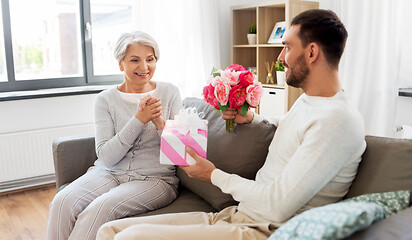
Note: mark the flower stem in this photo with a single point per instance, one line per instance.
(230, 125)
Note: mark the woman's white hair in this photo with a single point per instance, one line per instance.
(126, 39)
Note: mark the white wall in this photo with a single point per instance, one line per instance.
(41, 113)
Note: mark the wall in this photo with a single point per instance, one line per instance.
(41, 113)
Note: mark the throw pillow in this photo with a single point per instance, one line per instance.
(392, 202)
(340, 220)
(333, 221)
(241, 152)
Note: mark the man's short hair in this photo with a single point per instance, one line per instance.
(324, 28)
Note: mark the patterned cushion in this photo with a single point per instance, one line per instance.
(392, 202)
(340, 220)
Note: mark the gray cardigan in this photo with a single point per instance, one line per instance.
(124, 145)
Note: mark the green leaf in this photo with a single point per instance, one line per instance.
(244, 108)
(279, 66)
(223, 108)
(215, 72)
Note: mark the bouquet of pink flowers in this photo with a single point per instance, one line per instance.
(233, 87)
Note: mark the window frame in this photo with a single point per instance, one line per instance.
(88, 77)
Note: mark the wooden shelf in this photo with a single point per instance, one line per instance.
(245, 46)
(273, 86)
(272, 45)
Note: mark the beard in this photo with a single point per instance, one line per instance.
(298, 73)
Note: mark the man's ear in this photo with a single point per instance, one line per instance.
(313, 52)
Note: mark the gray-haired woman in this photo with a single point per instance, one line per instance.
(127, 178)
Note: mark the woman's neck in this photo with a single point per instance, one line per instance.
(128, 88)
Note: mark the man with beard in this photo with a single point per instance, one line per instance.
(312, 160)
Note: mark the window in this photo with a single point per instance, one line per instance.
(108, 17)
(67, 43)
(49, 43)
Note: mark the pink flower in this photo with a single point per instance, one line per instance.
(254, 93)
(237, 96)
(236, 67)
(222, 91)
(246, 78)
(231, 77)
(209, 96)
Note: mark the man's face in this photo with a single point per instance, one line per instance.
(293, 58)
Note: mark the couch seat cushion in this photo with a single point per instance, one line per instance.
(187, 201)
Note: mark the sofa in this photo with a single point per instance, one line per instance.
(386, 166)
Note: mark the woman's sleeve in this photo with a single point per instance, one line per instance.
(176, 104)
(111, 147)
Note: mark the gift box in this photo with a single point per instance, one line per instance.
(188, 129)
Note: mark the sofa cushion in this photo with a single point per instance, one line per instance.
(386, 166)
(333, 221)
(241, 152)
(392, 202)
(340, 220)
(187, 201)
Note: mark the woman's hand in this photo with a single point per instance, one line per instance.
(149, 108)
(155, 111)
(232, 113)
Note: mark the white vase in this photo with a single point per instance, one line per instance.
(251, 38)
(280, 78)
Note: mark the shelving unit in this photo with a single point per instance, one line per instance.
(265, 14)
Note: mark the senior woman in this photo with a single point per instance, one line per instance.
(127, 178)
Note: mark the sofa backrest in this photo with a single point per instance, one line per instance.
(386, 166)
(241, 152)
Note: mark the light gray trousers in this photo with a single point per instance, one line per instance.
(97, 197)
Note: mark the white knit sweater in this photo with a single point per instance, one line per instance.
(312, 161)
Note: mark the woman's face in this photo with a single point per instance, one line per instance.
(139, 64)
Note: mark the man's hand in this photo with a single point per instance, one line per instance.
(232, 113)
(202, 169)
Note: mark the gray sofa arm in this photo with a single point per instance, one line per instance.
(72, 157)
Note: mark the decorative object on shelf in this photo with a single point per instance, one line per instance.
(277, 33)
(280, 73)
(251, 36)
(233, 87)
(269, 77)
(253, 70)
